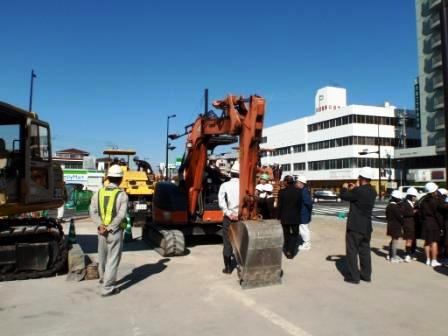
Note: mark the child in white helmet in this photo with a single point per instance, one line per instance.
(394, 219)
(432, 220)
(408, 212)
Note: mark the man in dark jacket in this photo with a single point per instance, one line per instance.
(305, 213)
(289, 206)
(432, 220)
(359, 226)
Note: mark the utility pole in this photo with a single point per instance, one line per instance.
(168, 146)
(33, 75)
(379, 159)
(205, 101)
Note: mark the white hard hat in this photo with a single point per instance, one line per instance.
(268, 187)
(412, 192)
(366, 172)
(443, 191)
(115, 171)
(431, 187)
(397, 194)
(302, 179)
(235, 168)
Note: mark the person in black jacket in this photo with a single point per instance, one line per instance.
(443, 208)
(409, 227)
(289, 207)
(359, 226)
(432, 221)
(394, 218)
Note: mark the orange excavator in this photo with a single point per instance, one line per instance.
(192, 208)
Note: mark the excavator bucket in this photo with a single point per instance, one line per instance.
(258, 249)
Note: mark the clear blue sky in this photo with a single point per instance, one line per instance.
(109, 72)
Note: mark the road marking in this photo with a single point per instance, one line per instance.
(269, 315)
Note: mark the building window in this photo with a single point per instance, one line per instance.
(359, 119)
(282, 151)
(299, 166)
(299, 148)
(264, 139)
(73, 165)
(285, 167)
(349, 163)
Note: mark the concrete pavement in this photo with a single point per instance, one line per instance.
(190, 296)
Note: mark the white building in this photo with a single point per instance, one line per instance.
(326, 146)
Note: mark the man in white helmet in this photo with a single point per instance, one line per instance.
(359, 226)
(108, 210)
(229, 201)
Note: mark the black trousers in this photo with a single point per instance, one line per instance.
(227, 250)
(290, 235)
(358, 245)
(270, 207)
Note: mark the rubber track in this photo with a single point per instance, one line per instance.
(55, 230)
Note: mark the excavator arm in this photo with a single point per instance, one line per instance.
(257, 243)
(241, 117)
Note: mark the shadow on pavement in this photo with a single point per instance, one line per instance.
(380, 252)
(89, 244)
(441, 269)
(141, 273)
(340, 263)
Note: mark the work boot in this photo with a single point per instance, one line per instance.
(227, 265)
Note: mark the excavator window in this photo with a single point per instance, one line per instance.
(10, 158)
(10, 133)
(39, 143)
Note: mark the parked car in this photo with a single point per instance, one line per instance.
(420, 189)
(327, 195)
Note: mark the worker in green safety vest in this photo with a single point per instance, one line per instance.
(108, 210)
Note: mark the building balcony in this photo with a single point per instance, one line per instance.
(434, 21)
(438, 102)
(436, 61)
(436, 41)
(432, 4)
(437, 81)
(440, 144)
(439, 123)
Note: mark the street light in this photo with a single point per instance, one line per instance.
(379, 157)
(33, 75)
(168, 145)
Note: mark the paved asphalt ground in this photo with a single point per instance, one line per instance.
(190, 296)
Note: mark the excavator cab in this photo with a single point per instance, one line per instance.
(30, 181)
